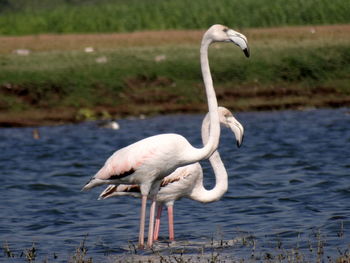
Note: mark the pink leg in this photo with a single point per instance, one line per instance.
(142, 221)
(157, 225)
(151, 222)
(171, 222)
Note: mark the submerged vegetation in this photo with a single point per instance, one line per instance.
(82, 16)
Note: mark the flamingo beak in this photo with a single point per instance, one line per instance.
(246, 52)
(239, 143)
(238, 130)
(239, 40)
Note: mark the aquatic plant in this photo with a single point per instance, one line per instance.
(214, 251)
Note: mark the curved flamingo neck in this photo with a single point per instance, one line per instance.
(199, 192)
(214, 132)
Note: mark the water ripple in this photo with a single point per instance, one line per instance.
(283, 183)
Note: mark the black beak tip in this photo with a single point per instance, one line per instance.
(239, 143)
(246, 52)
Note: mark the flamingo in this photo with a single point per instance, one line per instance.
(148, 161)
(187, 181)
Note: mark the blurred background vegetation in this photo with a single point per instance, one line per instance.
(89, 61)
(72, 16)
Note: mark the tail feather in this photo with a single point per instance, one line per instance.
(121, 190)
(109, 190)
(92, 183)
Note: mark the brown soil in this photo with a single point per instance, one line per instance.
(53, 42)
(248, 98)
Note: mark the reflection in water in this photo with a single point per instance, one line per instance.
(288, 184)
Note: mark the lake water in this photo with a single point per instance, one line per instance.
(289, 186)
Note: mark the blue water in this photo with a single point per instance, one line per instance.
(289, 183)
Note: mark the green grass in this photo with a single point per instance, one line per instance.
(289, 68)
(131, 75)
(20, 17)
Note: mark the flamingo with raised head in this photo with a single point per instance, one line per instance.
(187, 181)
(148, 161)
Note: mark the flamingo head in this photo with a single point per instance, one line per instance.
(220, 33)
(231, 122)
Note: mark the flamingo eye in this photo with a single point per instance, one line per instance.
(225, 29)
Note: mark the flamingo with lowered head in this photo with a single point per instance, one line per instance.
(187, 181)
(148, 161)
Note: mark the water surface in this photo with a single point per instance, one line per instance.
(288, 184)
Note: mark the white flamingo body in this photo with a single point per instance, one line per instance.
(148, 161)
(152, 156)
(187, 181)
(145, 163)
(179, 184)
(175, 186)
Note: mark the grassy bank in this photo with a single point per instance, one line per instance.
(58, 79)
(22, 17)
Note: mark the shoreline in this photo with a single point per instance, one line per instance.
(62, 116)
